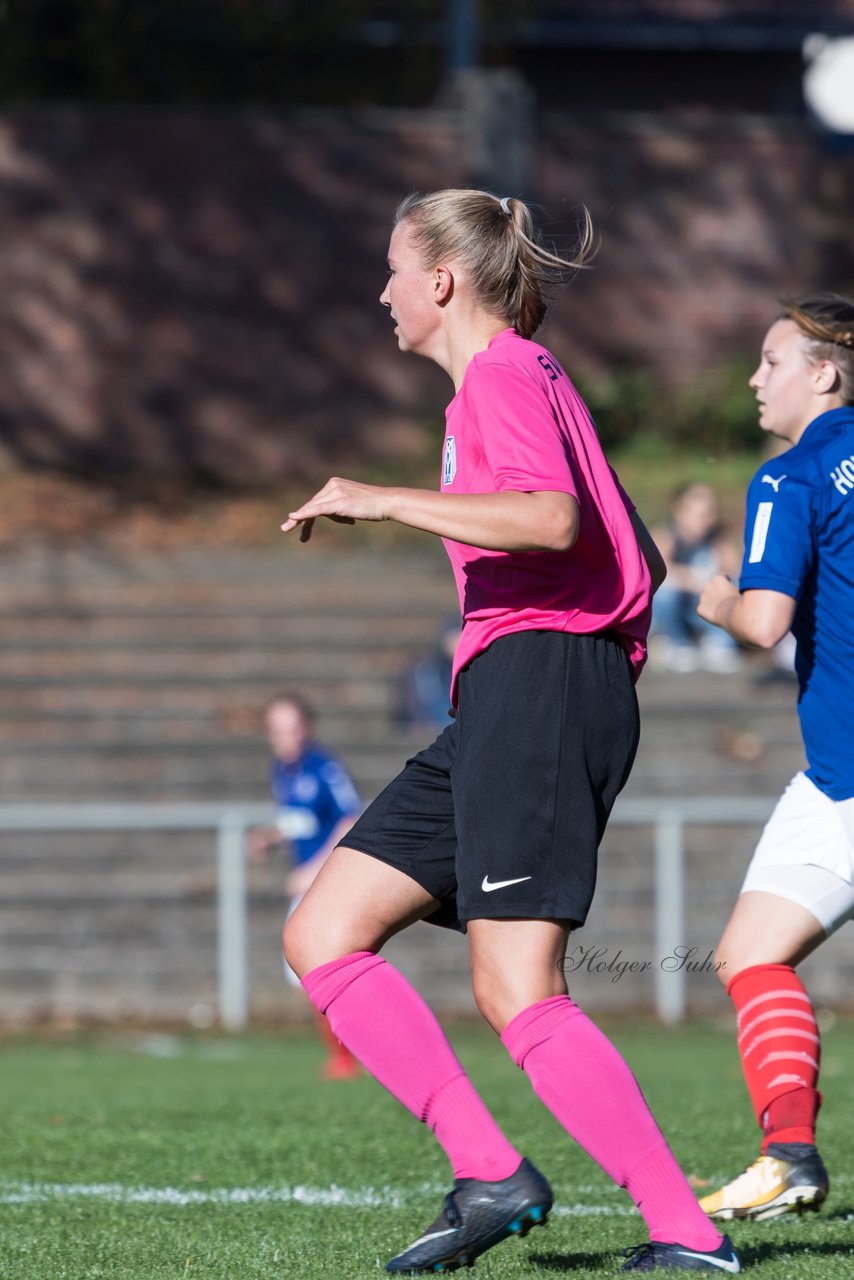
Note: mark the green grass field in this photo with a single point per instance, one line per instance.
(144, 1157)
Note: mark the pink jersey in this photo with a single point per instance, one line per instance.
(517, 422)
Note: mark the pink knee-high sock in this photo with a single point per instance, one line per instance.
(578, 1074)
(384, 1022)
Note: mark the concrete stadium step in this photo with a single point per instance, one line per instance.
(192, 695)
(197, 642)
(360, 579)
(100, 852)
(697, 773)
(209, 628)
(723, 737)
(350, 728)
(238, 770)
(195, 771)
(190, 661)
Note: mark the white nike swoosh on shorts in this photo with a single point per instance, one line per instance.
(489, 886)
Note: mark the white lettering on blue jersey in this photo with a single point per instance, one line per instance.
(760, 531)
(449, 465)
(843, 476)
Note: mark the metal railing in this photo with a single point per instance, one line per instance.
(667, 817)
(230, 821)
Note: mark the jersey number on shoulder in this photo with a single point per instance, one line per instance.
(553, 373)
(760, 531)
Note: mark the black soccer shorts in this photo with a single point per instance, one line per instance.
(503, 815)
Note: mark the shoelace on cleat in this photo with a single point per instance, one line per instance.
(638, 1252)
(451, 1211)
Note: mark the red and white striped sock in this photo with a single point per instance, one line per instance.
(780, 1048)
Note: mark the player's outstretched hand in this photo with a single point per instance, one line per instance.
(344, 501)
(260, 841)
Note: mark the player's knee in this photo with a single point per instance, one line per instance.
(499, 1001)
(731, 958)
(722, 967)
(310, 939)
(296, 946)
(490, 1005)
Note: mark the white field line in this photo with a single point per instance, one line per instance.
(333, 1197)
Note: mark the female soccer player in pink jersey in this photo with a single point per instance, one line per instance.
(494, 829)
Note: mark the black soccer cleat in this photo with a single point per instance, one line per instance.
(475, 1216)
(678, 1257)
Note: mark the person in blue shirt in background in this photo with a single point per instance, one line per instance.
(695, 546)
(425, 686)
(798, 574)
(317, 802)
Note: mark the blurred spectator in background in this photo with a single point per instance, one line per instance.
(695, 547)
(425, 688)
(317, 803)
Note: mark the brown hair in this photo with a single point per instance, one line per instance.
(284, 697)
(826, 321)
(510, 269)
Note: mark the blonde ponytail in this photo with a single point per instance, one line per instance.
(510, 270)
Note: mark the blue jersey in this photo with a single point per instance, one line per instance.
(799, 540)
(312, 795)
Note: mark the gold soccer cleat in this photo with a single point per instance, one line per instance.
(769, 1188)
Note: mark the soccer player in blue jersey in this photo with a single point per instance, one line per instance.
(798, 574)
(316, 802)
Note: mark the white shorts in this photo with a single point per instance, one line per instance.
(806, 853)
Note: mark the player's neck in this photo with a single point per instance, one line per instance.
(465, 341)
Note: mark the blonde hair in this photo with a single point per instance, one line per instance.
(826, 321)
(509, 268)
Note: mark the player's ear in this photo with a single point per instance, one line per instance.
(826, 376)
(443, 284)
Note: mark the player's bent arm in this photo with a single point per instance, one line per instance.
(508, 521)
(511, 520)
(756, 617)
(655, 561)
